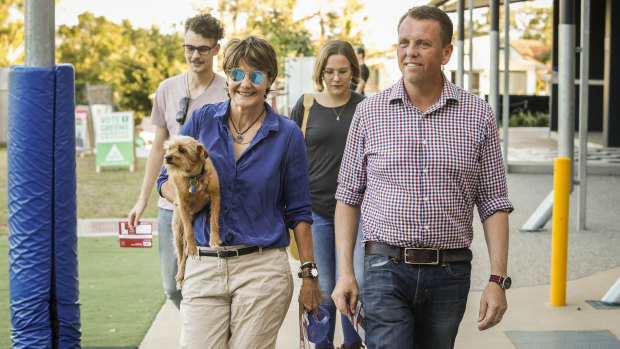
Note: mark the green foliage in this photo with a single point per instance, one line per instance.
(526, 22)
(273, 20)
(288, 40)
(11, 31)
(120, 292)
(537, 24)
(133, 60)
(525, 118)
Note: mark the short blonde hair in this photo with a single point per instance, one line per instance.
(335, 47)
(254, 51)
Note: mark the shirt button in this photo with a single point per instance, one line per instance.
(426, 227)
(426, 199)
(425, 170)
(424, 142)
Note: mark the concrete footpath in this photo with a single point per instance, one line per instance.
(530, 322)
(593, 267)
(529, 311)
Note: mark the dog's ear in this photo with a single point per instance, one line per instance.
(203, 151)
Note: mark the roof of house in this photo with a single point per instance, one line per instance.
(528, 47)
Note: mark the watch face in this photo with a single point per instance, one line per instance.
(507, 283)
(314, 272)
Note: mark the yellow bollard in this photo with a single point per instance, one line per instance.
(559, 240)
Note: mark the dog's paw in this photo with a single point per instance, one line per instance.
(215, 241)
(192, 250)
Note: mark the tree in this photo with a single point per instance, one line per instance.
(11, 32)
(273, 19)
(132, 60)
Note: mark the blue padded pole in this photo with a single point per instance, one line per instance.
(67, 297)
(30, 163)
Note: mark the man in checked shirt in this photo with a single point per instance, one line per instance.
(419, 156)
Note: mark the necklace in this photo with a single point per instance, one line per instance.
(206, 87)
(239, 137)
(338, 114)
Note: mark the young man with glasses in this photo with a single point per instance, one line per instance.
(175, 100)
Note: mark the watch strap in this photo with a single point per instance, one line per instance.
(499, 280)
(308, 270)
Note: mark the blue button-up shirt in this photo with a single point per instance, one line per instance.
(265, 191)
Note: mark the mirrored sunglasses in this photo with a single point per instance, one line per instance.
(237, 74)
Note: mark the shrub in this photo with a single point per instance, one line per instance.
(525, 118)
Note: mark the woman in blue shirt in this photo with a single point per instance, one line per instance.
(260, 158)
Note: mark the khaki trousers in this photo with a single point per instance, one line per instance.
(237, 302)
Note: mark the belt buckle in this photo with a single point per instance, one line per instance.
(222, 253)
(436, 262)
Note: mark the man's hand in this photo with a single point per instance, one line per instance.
(310, 295)
(345, 294)
(492, 306)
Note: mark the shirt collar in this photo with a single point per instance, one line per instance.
(449, 91)
(269, 124)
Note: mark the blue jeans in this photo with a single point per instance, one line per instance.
(168, 256)
(323, 239)
(413, 306)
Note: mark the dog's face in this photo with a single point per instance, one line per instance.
(184, 155)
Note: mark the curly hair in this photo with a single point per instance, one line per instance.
(205, 25)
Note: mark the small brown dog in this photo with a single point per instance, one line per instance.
(193, 178)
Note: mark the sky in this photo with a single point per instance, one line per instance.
(379, 32)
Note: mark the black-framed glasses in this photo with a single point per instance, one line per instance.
(182, 114)
(329, 73)
(256, 77)
(202, 50)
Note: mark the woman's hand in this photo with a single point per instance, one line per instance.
(310, 295)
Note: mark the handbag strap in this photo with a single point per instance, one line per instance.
(308, 101)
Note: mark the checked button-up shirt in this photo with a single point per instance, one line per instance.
(417, 176)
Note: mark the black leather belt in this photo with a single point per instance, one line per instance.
(431, 256)
(230, 253)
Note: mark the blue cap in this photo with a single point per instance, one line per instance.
(318, 325)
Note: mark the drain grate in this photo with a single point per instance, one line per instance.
(563, 339)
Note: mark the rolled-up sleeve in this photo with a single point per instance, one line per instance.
(296, 181)
(492, 188)
(163, 177)
(352, 175)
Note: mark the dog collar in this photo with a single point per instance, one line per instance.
(193, 180)
(202, 172)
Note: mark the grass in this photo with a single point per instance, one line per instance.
(112, 192)
(120, 292)
(120, 288)
(108, 194)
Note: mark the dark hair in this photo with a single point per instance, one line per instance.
(433, 13)
(360, 50)
(254, 51)
(206, 26)
(335, 47)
